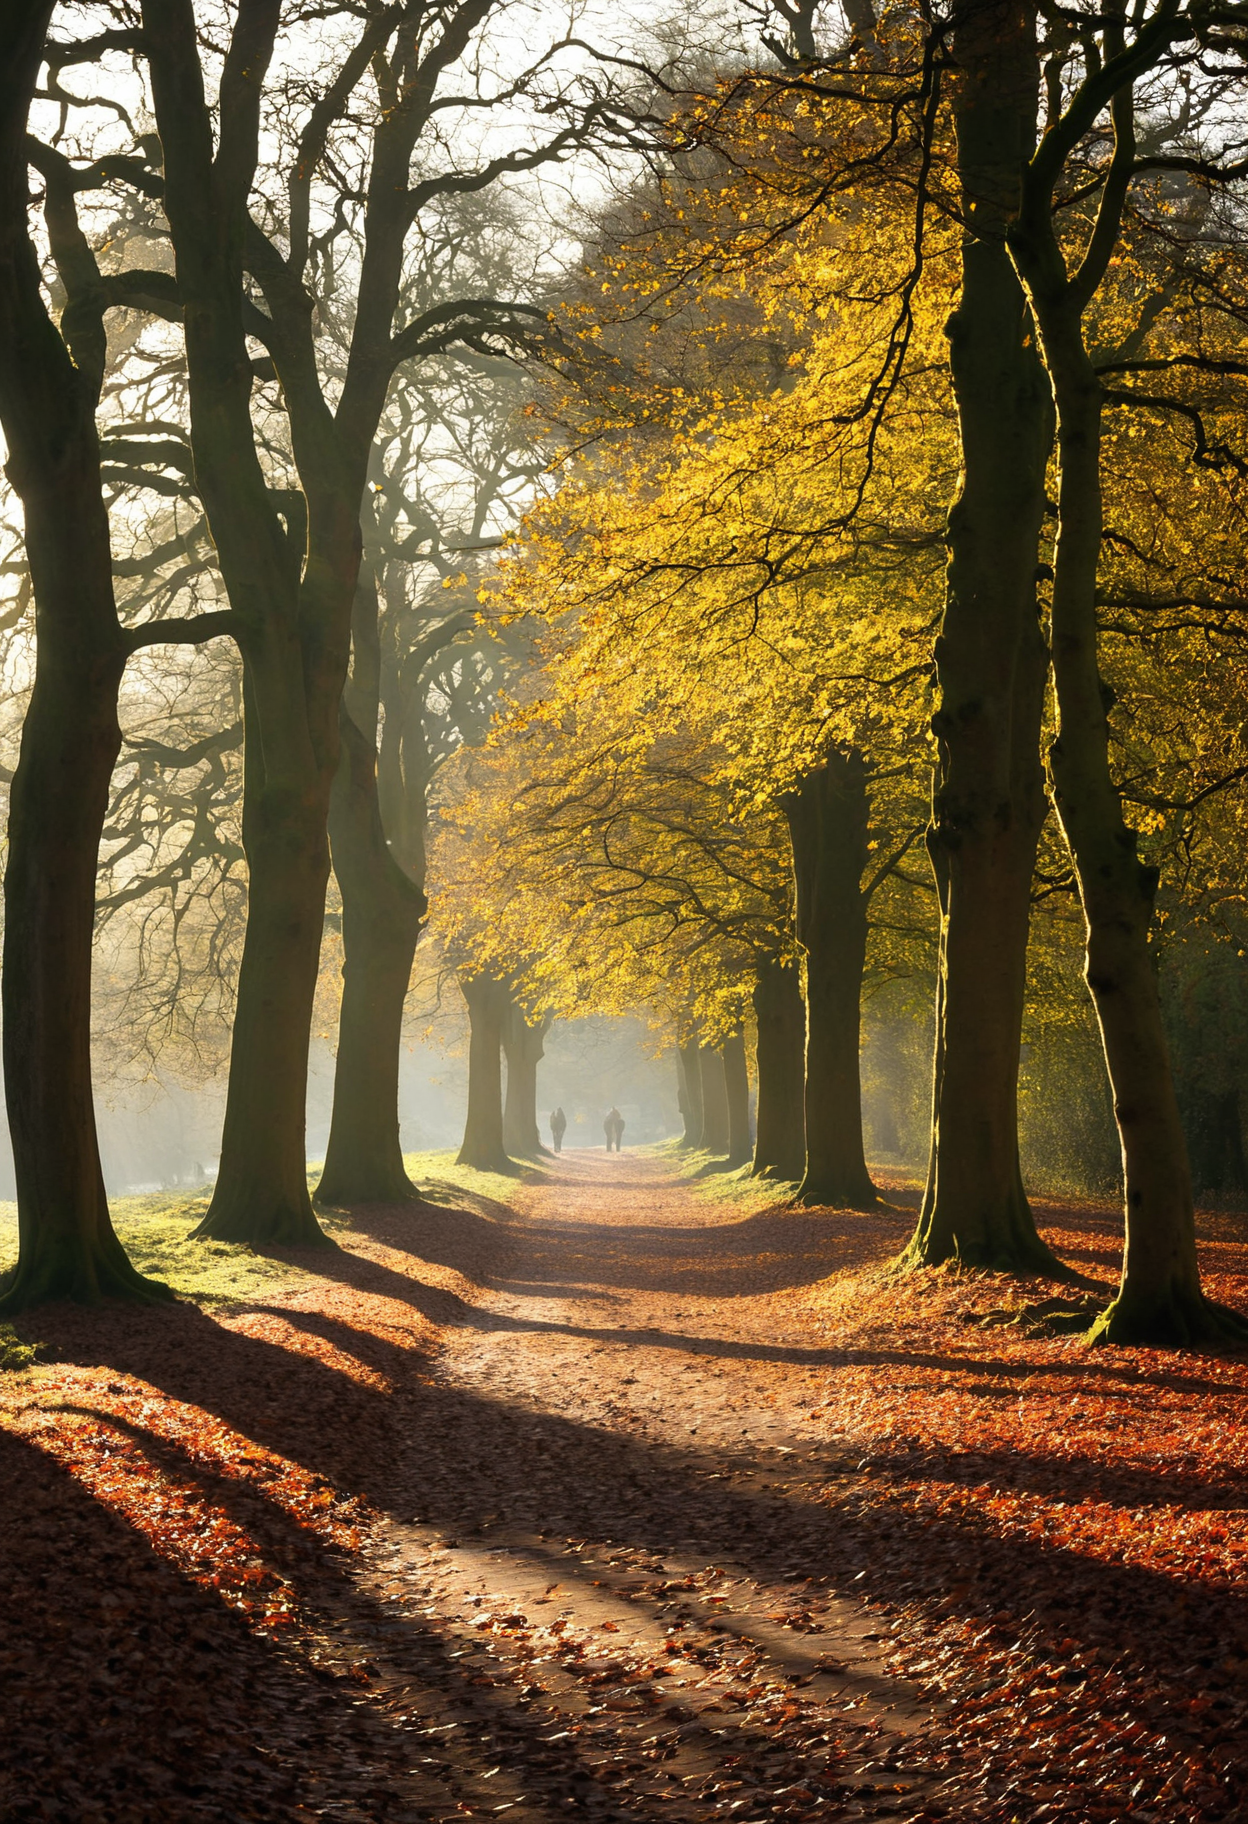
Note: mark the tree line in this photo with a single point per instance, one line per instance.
(879, 579)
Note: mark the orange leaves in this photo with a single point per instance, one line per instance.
(1137, 1458)
(167, 1469)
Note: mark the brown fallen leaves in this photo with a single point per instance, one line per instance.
(668, 1451)
(1069, 1527)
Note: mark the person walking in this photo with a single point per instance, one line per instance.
(613, 1128)
(558, 1128)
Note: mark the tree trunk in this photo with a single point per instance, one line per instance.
(682, 1101)
(70, 739)
(382, 915)
(827, 817)
(695, 1114)
(988, 805)
(291, 584)
(737, 1088)
(487, 999)
(780, 1013)
(714, 1101)
(58, 802)
(1160, 1302)
(261, 1194)
(524, 1046)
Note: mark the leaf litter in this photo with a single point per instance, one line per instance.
(611, 1501)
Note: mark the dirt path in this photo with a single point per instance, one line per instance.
(610, 1501)
(611, 1595)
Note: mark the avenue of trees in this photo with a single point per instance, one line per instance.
(829, 583)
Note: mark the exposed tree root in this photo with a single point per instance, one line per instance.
(1047, 1317)
(85, 1276)
(1181, 1319)
(1019, 1254)
(1179, 1322)
(280, 1226)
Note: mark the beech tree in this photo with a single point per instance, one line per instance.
(451, 461)
(292, 578)
(989, 803)
(50, 381)
(1160, 1300)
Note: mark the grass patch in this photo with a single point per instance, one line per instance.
(155, 1232)
(738, 1188)
(429, 1171)
(14, 1353)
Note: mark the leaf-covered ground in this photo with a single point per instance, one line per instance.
(596, 1495)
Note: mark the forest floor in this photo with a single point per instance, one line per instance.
(611, 1493)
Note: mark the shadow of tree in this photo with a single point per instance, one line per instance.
(151, 1722)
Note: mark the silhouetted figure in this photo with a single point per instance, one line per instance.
(613, 1128)
(558, 1128)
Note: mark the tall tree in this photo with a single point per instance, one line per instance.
(50, 381)
(1160, 1300)
(988, 803)
(450, 459)
(292, 575)
(828, 814)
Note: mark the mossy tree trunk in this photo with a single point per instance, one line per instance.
(827, 816)
(488, 1002)
(988, 804)
(780, 1066)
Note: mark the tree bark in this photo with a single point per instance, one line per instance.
(779, 1061)
(383, 911)
(70, 740)
(261, 1195)
(488, 1001)
(988, 804)
(382, 915)
(737, 1089)
(695, 1114)
(714, 1101)
(827, 817)
(524, 1047)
